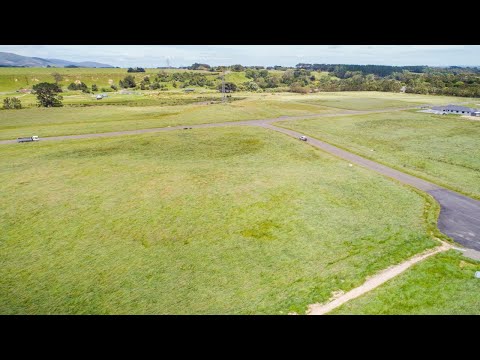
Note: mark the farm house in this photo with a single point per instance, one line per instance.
(456, 109)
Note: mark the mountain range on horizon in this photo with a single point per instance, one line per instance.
(8, 59)
(14, 60)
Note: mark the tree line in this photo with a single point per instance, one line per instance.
(304, 78)
(339, 70)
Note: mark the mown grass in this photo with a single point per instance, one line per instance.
(136, 98)
(237, 77)
(158, 109)
(45, 122)
(233, 220)
(374, 100)
(441, 285)
(441, 149)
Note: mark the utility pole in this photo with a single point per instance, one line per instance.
(223, 87)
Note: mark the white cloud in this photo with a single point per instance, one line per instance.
(181, 55)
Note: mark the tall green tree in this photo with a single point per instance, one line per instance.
(81, 86)
(229, 87)
(48, 95)
(128, 82)
(237, 67)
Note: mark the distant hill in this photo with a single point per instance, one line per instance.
(10, 59)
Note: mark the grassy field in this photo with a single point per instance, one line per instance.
(82, 113)
(234, 220)
(350, 100)
(374, 100)
(94, 119)
(12, 79)
(443, 284)
(441, 149)
(129, 98)
(237, 77)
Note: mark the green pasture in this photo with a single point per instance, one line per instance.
(206, 221)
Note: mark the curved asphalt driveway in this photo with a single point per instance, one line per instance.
(459, 216)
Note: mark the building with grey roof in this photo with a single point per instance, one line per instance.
(456, 109)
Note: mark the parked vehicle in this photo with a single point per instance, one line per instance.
(303, 138)
(28, 139)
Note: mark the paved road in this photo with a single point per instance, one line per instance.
(244, 122)
(459, 216)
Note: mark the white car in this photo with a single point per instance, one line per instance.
(28, 139)
(303, 138)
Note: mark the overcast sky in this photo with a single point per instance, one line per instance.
(287, 55)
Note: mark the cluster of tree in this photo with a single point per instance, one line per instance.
(303, 81)
(456, 81)
(340, 69)
(198, 66)
(294, 78)
(157, 86)
(145, 84)
(263, 78)
(12, 103)
(255, 74)
(187, 78)
(128, 82)
(416, 79)
(358, 82)
(278, 67)
(136, 70)
(229, 87)
(255, 67)
(453, 70)
(441, 83)
(237, 68)
(48, 95)
(80, 86)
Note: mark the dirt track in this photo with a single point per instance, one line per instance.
(374, 281)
